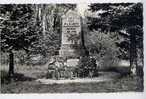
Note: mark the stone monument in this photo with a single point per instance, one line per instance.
(71, 35)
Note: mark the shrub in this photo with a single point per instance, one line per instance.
(86, 65)
(4, 77)
(103, 46)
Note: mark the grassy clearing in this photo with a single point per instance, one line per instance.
(36, 71)
(26, 75)
(119, 85)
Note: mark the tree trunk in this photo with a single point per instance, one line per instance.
(44, 25)
(11, 64)
(133, 52)
(44, 20)
(85, 51)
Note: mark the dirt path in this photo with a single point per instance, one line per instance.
(104, 76)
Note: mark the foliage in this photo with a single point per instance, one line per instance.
(17, 28)
(48, 18)
(86, 65)
(4, 58)
(33, 28)
(120, 18)
(4, 77)
(103, 47)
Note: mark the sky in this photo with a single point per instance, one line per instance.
(81, 7)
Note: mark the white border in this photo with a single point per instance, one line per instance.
(121, 95)
(65, 1)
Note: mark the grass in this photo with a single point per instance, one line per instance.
(36, 71)
(24, 82)
(120, 85)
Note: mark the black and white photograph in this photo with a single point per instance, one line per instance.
(71, 48)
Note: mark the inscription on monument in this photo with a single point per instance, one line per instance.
(71, 26)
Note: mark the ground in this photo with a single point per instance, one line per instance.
(120, 85)
(27, 83)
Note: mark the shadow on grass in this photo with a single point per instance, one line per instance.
(5, 79)
(123, 84)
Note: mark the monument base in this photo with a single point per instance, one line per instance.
(67, 51)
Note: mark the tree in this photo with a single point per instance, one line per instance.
(18, 30)
(102, 46)
(124, 18)
(48, 18)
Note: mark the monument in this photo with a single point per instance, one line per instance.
(71, 48)
(71, 35)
